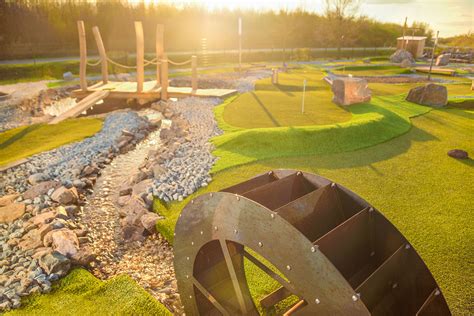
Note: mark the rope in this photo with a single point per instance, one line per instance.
(179, 64)
(94, 64)
(120, 65)
(154, 61)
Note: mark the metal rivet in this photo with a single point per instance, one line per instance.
(260, 244)
(272, 215)
(298, 173)
(371, 209)
(190, 296)
(192, 243)
(211, 194)
(187, 276)
(317, 301)
(238, 198)
(394, 285)
(187, 258)
(270, 172)
(437, 292)
(235, 231)
(407, 246)
(215, 228)
(174, 234)
(372, 253)
(333, 185)
(288, 268)
(355, 298)
(201, 232)
(192, 201)
(314, 248)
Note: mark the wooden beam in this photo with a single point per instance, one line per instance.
(160, 49)
(83, 53)
(194, 79)
(102, 54)
(164, 78)
(140, 55)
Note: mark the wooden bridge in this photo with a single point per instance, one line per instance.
(141, 90)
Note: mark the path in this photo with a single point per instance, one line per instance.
(150, 263)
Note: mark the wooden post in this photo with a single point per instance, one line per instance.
(160, 49)
(83, 53)
(432, 55)
(140, 55)
(102, 54)
(194, 79)
(164, 78)
(240, 44)
(404, 27)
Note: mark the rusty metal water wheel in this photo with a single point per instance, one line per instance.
(333, 251)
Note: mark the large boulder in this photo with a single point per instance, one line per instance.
(431, 94)
(349, 91)
(11, 212)
(54, 263)
(65, 242)
(400, 55)
(443, 59)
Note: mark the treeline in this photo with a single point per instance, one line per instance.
(44, 28)
(461, 41)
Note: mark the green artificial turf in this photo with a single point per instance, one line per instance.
(380, 89)
(80, 293)
(371, 70)
(281, 105)
(26, 141)
(410, 179)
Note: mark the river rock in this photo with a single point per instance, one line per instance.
(443, 59)
(37, 178)
(458, 154)
(39, 189)
(8, 199)
(149, 220)
(349, 91)
(65, 196)
(11, 212)
(142, 187)
(55, 262)
(431, 94)
(83, 257)
(65, 242)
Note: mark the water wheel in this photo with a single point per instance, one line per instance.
(322, 243)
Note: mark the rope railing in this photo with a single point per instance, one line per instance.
(119, 65)
(90, 64)
(179, 64)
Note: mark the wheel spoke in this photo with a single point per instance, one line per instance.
(233, 276)
(209, 296)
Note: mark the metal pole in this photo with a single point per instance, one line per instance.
(240, 44)
(432, 55)
(304, 92)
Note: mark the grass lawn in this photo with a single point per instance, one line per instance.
(425, 193)
(280, 105)
(370, 70)
(26, 141)
(403, 88)
(80, 293)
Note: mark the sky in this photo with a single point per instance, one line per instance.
(450, 17)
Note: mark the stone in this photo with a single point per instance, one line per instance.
(122, 200)
(400, 55)
(89, 170)
(142, 187)
(349, 91)
(133, 233)
(125, 189)
(443, 59)
(8, 199)
(43, 218)
(83, 257)
(68, 76)
(406, 63)
(55, 262)
(158, 171)
(39, 189)
(458, 154)
(431, 94)
(65, 242)
(11, 212)
(37, 178)
(65, 196)
(149, 220)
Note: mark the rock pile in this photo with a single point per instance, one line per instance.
(70, 163)
(39, 241)
(431, 94)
